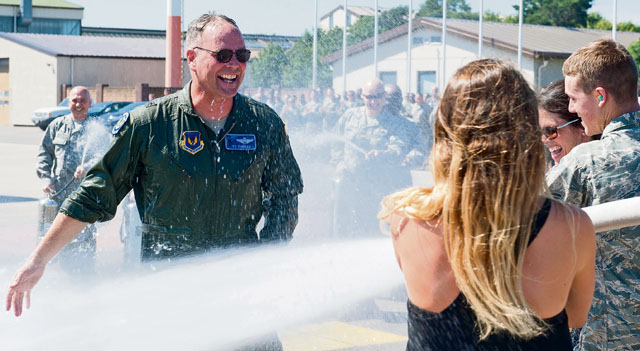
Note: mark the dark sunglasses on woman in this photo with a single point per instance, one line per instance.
(552, 132)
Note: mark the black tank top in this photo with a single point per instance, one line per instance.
(454, 328)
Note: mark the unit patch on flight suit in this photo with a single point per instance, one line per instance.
(191, 142)
(240, 142)
(120, 123)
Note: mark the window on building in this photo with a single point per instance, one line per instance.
(390, 77)
(417, 41)
(4, 65)
(6, 24)
(331, 21)
(52, 26)
(426, 80)
(436, 39)
(348, 19)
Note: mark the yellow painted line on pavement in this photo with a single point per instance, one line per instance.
(333, 336)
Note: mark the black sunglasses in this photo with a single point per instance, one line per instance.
(376, 96)
(225, 55)
(552, 132)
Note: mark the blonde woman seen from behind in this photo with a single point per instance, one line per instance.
(490, 262)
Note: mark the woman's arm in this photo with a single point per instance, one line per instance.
(582, 287)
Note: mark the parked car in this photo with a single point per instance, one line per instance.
(43, 116)
(95, 110)
(111, 118)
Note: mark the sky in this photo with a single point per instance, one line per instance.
(281, 17)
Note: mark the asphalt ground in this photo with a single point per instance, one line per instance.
(378, 324)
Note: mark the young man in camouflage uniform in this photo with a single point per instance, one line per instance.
(205, 165)
(601, 81)
(59, 166)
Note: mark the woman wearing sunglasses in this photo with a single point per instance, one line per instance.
(561, 129)
(490, 261)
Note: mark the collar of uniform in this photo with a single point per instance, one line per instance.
(627, 120)
(184, 99)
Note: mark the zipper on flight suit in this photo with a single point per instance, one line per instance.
(168, 155)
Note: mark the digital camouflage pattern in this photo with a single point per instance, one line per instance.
(59, 154)
(593, 173)
(363, 180)
(195, 190)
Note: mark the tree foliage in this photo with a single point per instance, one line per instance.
(363, 28)
(299, 71)
(455, 9)
(561, 13)
(267, 69)
(634, 50)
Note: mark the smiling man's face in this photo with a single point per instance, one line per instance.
(79, 103)
(220, 80)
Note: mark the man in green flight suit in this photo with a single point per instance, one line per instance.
(205, 165)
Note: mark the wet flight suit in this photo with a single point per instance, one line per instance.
(196, 191)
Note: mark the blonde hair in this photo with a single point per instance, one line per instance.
(488, 169)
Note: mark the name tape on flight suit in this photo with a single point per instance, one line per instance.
(240, 142)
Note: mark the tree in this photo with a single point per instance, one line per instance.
(596, 21)
(561, 13)
(491, 16)
(267, 69)
(363, 28)
(455, 9)
(634, 50)
(298, 73)
(628, 27)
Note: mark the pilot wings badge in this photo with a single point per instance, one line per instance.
(240, 142)
(191, 142)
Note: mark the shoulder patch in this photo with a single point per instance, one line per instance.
(120, 123)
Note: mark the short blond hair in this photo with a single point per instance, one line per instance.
(604, 63)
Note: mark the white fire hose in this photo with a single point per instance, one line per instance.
(615, 214)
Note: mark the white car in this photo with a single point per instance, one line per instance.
(43, 116)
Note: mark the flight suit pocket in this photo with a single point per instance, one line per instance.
(240, 162)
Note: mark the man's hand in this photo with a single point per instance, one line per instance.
(80, 172)
(49, 188)
(20, 289)
(372, 155)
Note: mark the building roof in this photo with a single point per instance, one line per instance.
(44, 3)
(537, 40)
(358, 11)
(129, 45)
(90, 46)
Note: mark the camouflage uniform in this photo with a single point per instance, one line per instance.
(363, 181)
(312, 117)
(59, 155)
(593, 173)
(332, 110)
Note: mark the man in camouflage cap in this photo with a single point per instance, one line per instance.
(601, 81)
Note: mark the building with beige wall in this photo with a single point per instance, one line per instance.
(542, 57)
(39, 66)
